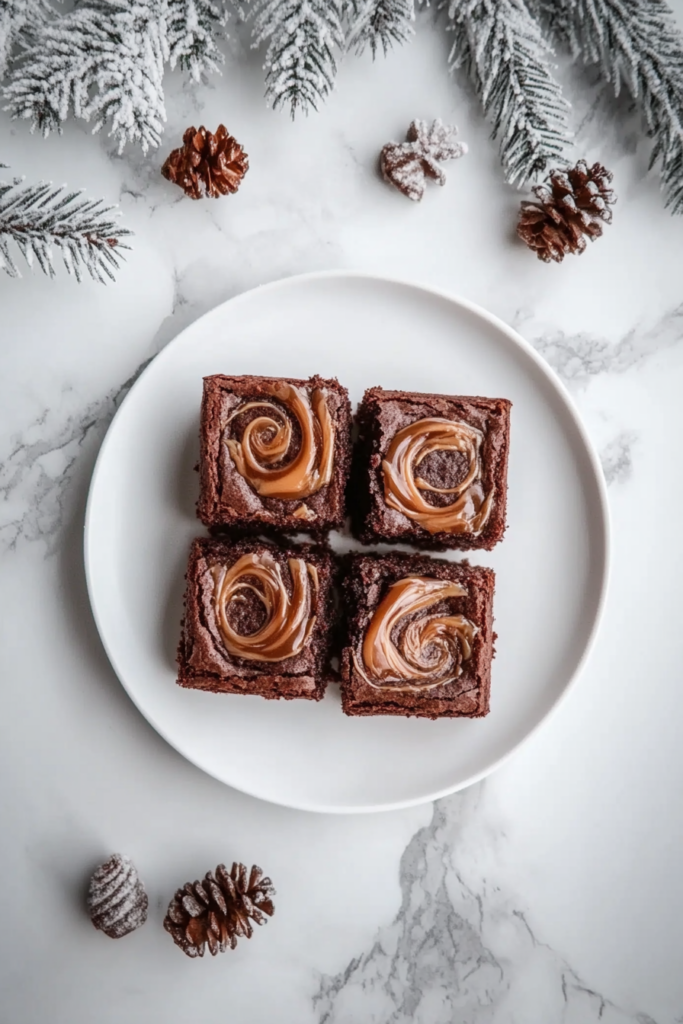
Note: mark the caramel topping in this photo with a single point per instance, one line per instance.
(304, 512)
(289, 620)
(426, 652)
(470, 509)
(267, 438)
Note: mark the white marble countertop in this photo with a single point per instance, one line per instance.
(552, 891)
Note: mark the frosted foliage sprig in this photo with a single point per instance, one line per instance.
(42, 217)
(300, 61)
(379, 24)
(192, 31)
(635, 44)
(17, 18)
(500, 46)
(103, 61)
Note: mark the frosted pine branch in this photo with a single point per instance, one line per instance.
(635, 44)
(500, 46)
(102, 61)
(18, 18)
(379, 24)
(300, 60)
(39, 218)
(192, 28)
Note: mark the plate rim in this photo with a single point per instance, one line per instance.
(513, 337)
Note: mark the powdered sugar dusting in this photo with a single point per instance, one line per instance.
(406, 165)
(403, 169)
(117, 900)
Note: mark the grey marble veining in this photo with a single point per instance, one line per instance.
(461, 947)
(37, 477)
(617, 457)
(576, 358)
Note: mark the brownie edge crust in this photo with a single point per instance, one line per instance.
(419, 637)
(257, 619)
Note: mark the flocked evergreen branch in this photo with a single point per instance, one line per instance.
(103, 61)
(17, 17)
(500, 46)
(42, 217)
(300, 61)
(379, 24)
(192, 31)
(635, 44)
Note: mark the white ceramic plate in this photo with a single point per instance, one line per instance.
(551, 567)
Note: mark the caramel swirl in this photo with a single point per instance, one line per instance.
(267, 438)
(470, 509)
(428, 651)
(289, 619)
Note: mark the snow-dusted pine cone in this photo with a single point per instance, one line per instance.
(220, 909)
(572, 207)
(117, 900)
(405, 165)
(207, 164)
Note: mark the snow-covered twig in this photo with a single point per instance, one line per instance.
(38, 217)
(17, 18)
(192, 28)
(500, 46)
(103, 61)
(636, 44)
(300, 61)
(379, 24)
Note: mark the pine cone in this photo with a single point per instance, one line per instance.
(571, 207)
(117, 900)
(207, 164)
(405, 165)
(219, 910)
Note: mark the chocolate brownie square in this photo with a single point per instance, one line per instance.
(419, 638)
(274, 453)
(257, 619)
(431, 470)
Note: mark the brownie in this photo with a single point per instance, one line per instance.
(419, 637)
(258, 619)
(430, 470)
(275, 454)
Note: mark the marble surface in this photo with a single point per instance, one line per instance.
(552, 891)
